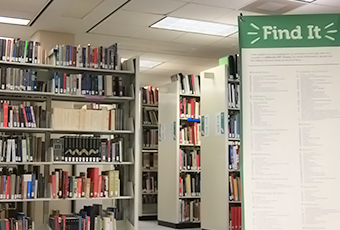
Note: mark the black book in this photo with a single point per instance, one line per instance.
(182, 82)
(120, 86)
(231, 63)
(96, 91)
(190, 84)
(4, 51)
(100, 64)
(90, 210)
(1, 50)
(84, 56)
(30, 52)
(106, 53)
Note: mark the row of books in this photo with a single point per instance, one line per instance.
(150, 138)
(17, 115)
(89, 184)
(189, 159)
(21, 185)
(150, 117)
(88, 119)
(190, 211)
(16, 50)
(89, 218)
(149, 183)
(87, 84)
(20, 80)
(235, 218)
(149, 199)
(150, 160)
(234, 188)
(87, 149)
(22, 148)
(189, 184)
(234, 155)
(16, 221)
(234, 66)
(85, 56)
(189, 84)
(190, 108)
(190, 134)
(234, 95)
(234, 125)
(150, 95)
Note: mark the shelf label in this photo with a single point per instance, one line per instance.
(161, 131)
(219, 123)
(204, 125)
(174, 131)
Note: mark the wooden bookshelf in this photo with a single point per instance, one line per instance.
(128, 199)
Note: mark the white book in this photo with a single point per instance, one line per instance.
(1, 156)
(231, 195)
(68, 84)
(24, 150)
(229, 95)
(10, 123)
(34, 124)
(9, 150)
(186, 84)
(233, 96)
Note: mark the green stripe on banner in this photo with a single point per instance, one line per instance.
(289, 31)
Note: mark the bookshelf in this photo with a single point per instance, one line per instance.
(219, 133)
(149, 154)
(126, 202)
(173, 196)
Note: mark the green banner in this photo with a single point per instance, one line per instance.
(289, 31)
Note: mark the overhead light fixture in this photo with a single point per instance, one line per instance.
(195, 26)
(308, 1)
(145, 63)
(16, 21)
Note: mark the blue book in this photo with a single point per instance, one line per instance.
(15, 50)
(34, 80)
(29, 187)
(231, 157)
(33, 186)
(66, 55)
(21, 216)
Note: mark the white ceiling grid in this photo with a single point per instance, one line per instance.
(129, 26)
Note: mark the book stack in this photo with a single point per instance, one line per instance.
(190, 134)
(89, 185)
(149, 183)
(147, 199)
(190, 108)
(189, 84)
(21, 80)
(190, 211)
(235, 218)
(234, 95)
(85, 56)
(87, 149)
(150, 117)
(21, 116)
(150, 138)
(89, 218)
(25, 185)
(87, 84)
(13, 220)
(150, 160)
(234, 125)
(16, 50)
(99, 119)
(234, 155)
(189, 184)
(234, 188)
(22, 148)
(150, 95)
(234, 67)
(189, 159)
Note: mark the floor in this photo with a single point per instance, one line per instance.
(152, 225)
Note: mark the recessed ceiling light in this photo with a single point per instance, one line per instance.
(309, 1)
(16, 21)
(195, 26)
(145, 63)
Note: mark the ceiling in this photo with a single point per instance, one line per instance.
(103, 22)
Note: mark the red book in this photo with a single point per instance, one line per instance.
(95, 57)
(74, 55)
(65, 76)
(180, 189)
(109, 119)
(79, 184)
(53, 181)
(93, 173)
(9, 45)
(151, 96)
(192, 102)
(198, 161)
(63, 222)
(56, 222)
(88, 223)
(5, 109)
(65, 184)
(232, 210)
(8, 187)
(185, 106)
(100, 178)
(194, 132)
(25, 116)
(7, 224)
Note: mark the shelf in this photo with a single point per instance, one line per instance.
(65, 68)
(96, 198)
(150, 126)
(190, 170)
(235, 202)
(150, 193)
(25, 130)
(25, 200)
(190, 197)
(189, 145)
(25, 163)
(150, 105)
(189, 95)
(91, 163)
(190, 119)
(234, 139)
(149, 151)
(150, 148)
(234, 80)
(150, 170)
(234, 109)
(104, 132)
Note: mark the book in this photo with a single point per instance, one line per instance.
(150, 138)
(150, 95)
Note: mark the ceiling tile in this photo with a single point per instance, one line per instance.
(314, 9)
(232, 17)
(109, 28)
(23, 6)
(96, 39)
(195, 61)
(157, 34)
(134, 18)
(197, 39)
(199, 12)
(184, 68)
(154, 6)
(157, 57)
(80, 8)
(128, 53)
(212, 52)
(228, 43)
(335, 3)
(232, 4)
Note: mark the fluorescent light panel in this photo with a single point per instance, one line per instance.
(195, 26)
(16, 21)
(146, 64)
